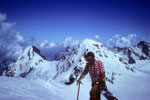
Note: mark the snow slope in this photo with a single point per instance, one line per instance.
(39, 90)
(132, 87)
(143, 66)
(46, 79)
(23, 89)
(135, 87)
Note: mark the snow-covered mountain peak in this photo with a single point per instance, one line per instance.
(142, 44)
(71, 66)
(97, 48)
(86, 43)
(29, 60)
(30, 51)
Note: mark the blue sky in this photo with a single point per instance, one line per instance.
(55, 20)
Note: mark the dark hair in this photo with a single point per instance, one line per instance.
(90, 54)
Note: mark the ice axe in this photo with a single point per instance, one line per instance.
(78, 90)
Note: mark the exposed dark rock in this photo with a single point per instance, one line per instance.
(98, 47)
(131, 60)
(107, 94)
(61, 55)
(7, 73)
(145, 47)
(11, 74)
(111, 80)
(35, 49)
(73, 77)
(27, 72)
(71, 80)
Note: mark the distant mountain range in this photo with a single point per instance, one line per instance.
(120, 66)
(71, 62)
(139, 52)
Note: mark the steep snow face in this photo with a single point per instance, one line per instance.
(139, 52)
(30, 60)
(70, 67)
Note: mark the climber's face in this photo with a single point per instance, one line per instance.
(90, 60)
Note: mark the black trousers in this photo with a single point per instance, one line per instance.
(96, 94)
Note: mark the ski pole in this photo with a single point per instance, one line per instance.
(78, 91)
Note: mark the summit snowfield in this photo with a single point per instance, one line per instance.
(56, 79)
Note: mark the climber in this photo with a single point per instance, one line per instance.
(97, 74)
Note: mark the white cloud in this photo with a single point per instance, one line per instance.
(52, 44)
(76, 42)
(110, 39)
(125, 41)
(19, 37)
(11, 42)
(43, 43)
(2, 17)
(70, 42)
(117, 36)
(49, 49)
(96, 37)
(67, 42)
(131, 36)
(120, 41)
(67, 39)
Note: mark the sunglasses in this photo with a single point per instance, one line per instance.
(89, 59)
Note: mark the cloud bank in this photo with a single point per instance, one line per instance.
(122, 41)
(49, 49)
(11, 42)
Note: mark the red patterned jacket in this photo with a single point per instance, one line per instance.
(95, 70)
